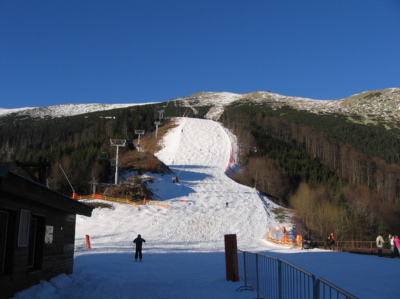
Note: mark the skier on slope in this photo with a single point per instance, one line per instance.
(138, 241)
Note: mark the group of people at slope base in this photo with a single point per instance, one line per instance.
(307, 243)
(139, 242)
(393, 242)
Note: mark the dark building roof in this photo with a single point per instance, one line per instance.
(27, 189)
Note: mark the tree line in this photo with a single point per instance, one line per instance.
(334, 182)
(73, 142)
(76, 142)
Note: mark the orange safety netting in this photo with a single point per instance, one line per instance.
(107, 198)
(274, 235)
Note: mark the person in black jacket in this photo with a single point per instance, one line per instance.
(138, 241)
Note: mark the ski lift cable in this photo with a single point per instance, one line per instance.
(73, 190)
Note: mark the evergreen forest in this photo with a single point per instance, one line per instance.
(338, 175)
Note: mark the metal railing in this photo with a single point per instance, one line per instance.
(325, 289)
(273, 278)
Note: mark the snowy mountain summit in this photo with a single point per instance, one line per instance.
(382, 105)
(370, 105)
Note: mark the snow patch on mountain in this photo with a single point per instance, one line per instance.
(371, 106)
(64, 110)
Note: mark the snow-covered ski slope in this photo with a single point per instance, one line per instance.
(200, 155)
(183, 254)
(199, 152)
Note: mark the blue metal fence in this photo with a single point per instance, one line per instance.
(273, 278)
(325, 289)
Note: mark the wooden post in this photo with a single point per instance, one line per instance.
(231, 258)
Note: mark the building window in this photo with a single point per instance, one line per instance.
(24, 222)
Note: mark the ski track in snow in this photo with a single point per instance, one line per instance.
(184, 249)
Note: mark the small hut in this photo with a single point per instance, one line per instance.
(37, 232)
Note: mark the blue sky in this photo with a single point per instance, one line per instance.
(134, 51)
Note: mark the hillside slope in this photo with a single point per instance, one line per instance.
(200, 154)
(198, 151)
(183, 253)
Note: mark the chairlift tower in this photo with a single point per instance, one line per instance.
(161, 114)
(93, 182)
(117, 143)
(157, 123)
(139, 132)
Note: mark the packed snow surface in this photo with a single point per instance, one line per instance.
(183, 256)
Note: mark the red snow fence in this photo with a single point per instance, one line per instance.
(231, 159)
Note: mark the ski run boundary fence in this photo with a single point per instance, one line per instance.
(273, 278)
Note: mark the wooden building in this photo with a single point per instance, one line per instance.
(37, 232)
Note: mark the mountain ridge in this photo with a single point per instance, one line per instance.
(371, 106)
